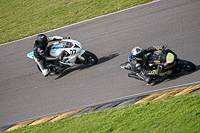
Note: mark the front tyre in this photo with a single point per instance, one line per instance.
(187, 66)
(90, 58)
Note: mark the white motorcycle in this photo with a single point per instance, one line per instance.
(70, 52)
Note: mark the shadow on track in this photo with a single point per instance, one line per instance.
(81, 67)
(174, 77)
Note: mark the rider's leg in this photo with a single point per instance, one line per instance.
(141, 76)
(42, 67)
(146, 78)
(126, 65)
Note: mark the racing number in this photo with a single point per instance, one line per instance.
(73, 51)
(170, 58)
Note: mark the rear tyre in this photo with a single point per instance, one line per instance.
(187, 66)
(90, 58)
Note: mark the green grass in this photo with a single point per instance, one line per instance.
(180, 114)
(22, 18)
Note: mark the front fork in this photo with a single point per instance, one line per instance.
(80, 55)
(78, 59)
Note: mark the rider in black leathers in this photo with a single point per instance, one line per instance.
(41, 52)
(137, 62)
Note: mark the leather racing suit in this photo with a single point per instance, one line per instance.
(42, 56)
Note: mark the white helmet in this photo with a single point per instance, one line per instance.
(136, 51)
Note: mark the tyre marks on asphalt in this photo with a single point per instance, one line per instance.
(117, 103)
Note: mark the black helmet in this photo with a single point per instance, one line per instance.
(42, 40)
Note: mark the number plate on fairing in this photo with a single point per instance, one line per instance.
(170, 58)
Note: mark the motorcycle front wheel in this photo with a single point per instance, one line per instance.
(90, 58)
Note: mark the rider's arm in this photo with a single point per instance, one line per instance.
(49, 58)
(55, 38)
(153, 48)
(130, 57)
(150, 49)
(40, 56)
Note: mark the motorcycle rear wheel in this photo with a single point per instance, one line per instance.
(187, 66)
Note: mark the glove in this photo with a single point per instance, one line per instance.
(66, 37)
(160, 47)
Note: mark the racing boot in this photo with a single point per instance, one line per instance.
(126, 65)
(133, 75)
(45, 72)
(147, 79)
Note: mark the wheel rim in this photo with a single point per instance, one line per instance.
(187, 68)
(90, 60)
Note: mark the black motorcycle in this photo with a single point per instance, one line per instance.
(166, 58)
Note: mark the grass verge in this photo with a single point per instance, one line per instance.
(180, 114)
(22, 18)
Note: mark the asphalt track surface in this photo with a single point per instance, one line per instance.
(134, 99)
(25, 93)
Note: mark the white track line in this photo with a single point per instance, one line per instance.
(104, 102)
(144, 93)
(82, 22)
